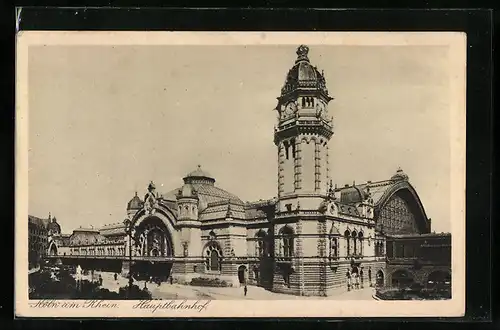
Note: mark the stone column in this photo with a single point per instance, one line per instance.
(327, 162)
(299, 257)
(298, 165)
(317, 166)
(281, 161)
(322, 253)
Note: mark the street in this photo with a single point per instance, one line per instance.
(177, 291)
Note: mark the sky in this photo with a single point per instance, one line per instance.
(104, 121)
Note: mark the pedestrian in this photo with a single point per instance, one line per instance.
(145, 285)
(100, 280)
(171, 280)
(116, 276)
(348, 276)
(361, 276)
(245, 290)
(370, 275)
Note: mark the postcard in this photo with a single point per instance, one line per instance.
(240, 174)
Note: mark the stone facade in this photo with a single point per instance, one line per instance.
(302, 242)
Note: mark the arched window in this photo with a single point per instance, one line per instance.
(285, 145)
(293, 148)
(334, 248)
(347, 238)
(261, 243)
(360, 237)
(213, 257)
(354, 241)
(287, 236)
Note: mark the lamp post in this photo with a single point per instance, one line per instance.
(128, 231)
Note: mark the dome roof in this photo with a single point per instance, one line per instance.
(203, 184)
(199, 176)
(135, 203)
(303, 74)
(54, 227)
(400, 176)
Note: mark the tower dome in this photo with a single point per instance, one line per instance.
(199, 176)
(303, 75)
(399, 175)
(53, 227)
(135, 203)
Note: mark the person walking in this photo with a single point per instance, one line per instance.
(370, 276)
(116, 277)
(348, 276)
(100, 280)
(245, 290)
(79, 272)
(361, 276)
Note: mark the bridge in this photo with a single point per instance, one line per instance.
(142, 266)
(114, 257)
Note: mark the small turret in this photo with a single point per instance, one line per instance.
(187, 201)
(400, 175)
(134, 205)
(365, 207)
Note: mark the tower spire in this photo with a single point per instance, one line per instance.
(302, 52)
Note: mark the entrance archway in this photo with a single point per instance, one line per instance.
(152, 238)
(242, 274)
(53, 250)
(401, 278)
(379, 280)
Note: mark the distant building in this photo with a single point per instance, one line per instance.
(303, 241)
(41, 232)
(423, 259)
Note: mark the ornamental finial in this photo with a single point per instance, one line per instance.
(302, 52)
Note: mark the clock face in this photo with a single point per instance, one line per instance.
(290, 109)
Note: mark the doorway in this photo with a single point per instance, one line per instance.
(242, 274)
(380, 278)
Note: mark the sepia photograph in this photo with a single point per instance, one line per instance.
(190, 171)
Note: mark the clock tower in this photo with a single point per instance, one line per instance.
(301, 136)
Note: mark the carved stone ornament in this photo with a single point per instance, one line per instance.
(151, 203)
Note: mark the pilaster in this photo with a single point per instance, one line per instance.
(322, 253)
(281, 162)
(298, 165)
(317, 166)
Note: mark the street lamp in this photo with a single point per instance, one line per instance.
(128, 231)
